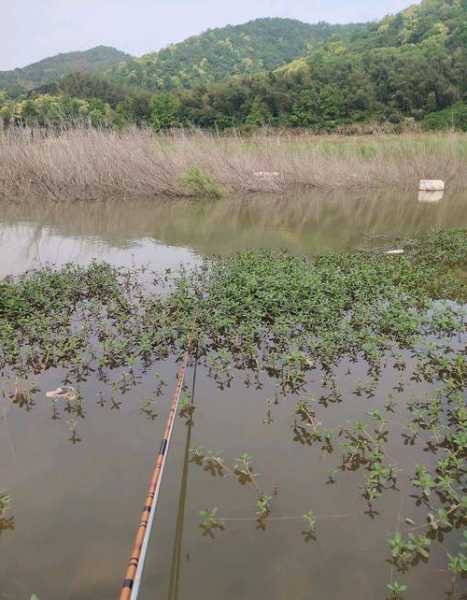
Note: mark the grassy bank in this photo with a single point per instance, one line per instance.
(87, 164)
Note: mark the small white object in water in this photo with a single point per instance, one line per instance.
(395, 252)
(431, 185)
(267, 174)
(66, 392)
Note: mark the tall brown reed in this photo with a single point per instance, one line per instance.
(90, 164)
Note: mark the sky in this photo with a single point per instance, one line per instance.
(35, 29)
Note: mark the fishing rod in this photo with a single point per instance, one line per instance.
(132, 581)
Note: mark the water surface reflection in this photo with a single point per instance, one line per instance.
(167, 233)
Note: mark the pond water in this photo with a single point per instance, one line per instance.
(167, 233)
(77, 498)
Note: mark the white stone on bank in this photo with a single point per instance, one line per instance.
(267, 174)
(431, 185)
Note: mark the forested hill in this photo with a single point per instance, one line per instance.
(259, 45)
(56, 67)
(406, 69)
(429, 23)
(404, 66)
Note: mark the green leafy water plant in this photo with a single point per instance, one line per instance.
(187, 408)
(263, 510)
(243, 469)
(309, 533)
(408, 551)
(458, 562)
(310, 519)
(6, 523)
(210, 524)
(294, 321)
(396, 590)
(5, 502)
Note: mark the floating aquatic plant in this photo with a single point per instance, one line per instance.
(396, 590)
(210, 523)
(290, 319)
(6, 523)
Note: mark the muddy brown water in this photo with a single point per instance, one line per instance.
(76, 505)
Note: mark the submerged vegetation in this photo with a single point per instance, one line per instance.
(295, 321)
(88, 164)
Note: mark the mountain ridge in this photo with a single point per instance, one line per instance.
(55, 67)
(215, 54)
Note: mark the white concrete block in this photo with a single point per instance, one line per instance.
(431, 185)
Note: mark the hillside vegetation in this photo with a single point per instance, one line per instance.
(259, 45)
(407, 65)
(56, 67)
(406, 69)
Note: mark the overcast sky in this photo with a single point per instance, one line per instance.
(34, 29)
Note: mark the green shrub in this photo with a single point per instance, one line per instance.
(198, 183)
(453, 117)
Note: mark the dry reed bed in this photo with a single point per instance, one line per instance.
(87, 164)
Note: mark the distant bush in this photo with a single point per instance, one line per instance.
(454, 117)
(198, 183)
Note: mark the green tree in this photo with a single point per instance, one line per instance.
(259, 113)
(164, 111)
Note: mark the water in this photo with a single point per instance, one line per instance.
(76, 506)
(165, 234)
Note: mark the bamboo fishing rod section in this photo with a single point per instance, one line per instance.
(132, 581)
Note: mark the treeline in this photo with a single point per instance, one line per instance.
(405, 69)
